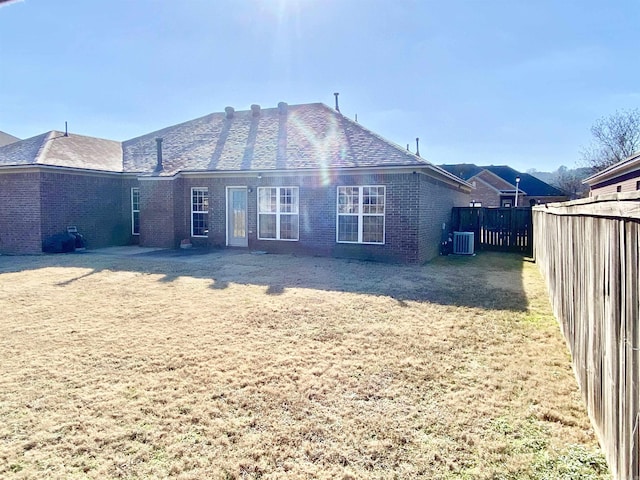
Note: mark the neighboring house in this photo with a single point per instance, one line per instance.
(6, 139)
(623, 176)
(300, 178)
(495, 186)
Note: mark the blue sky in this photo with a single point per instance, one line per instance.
(487, 82)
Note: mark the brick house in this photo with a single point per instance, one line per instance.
(51, 181)
(495, 186)
(300, 178)
(620, 177)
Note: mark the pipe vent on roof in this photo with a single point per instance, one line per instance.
(159, 154)
(282, 108)
(255, 110)
(337, 106)
(229, 111)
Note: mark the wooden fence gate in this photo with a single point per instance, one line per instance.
(503, 229)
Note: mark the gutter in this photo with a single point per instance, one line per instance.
(613, 170)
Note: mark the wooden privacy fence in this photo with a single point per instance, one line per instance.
(588, 250)
(504, 229)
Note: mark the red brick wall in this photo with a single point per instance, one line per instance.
(411, 234)
(157, 210)
(436, 202)
(20, 229)
(42, 203)
(98, 205)
(485, 194)
(317, 221)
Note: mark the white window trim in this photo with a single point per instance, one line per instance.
(360, 215)
(133, 211)
(193, 189)
(278, 213)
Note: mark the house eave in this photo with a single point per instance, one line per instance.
(621, 168)
(31, 167)
(425, 169)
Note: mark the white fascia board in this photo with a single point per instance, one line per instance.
(54, 168)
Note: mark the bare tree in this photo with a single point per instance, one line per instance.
(614, 138)
(570, 182)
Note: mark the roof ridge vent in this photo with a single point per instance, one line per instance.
(255, 110)
(229, 111)
(283, 108)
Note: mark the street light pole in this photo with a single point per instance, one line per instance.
(517, 185)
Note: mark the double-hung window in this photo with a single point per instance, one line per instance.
(278, 217)
(135, 211)
(199, 212)
(361, 214)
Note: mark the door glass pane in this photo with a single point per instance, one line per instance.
(238, 205)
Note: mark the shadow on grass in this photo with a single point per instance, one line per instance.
(488, 280)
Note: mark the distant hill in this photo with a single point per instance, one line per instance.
(547, 177)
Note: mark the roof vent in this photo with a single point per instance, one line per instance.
(417, 147)
(282, 108)
(229, 111)
(159, 153)
(255, 110)
(337, 106)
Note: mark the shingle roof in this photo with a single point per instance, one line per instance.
(306, 137)
(463, 170)
(55, 149)
(23, 152)
(528, 183)
(6, 139)
(309, 136)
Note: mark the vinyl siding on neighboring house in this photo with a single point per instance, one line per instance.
(626, 183)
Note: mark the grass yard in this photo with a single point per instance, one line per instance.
(239, 366)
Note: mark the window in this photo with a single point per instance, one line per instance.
(619, 188)
(199, 212)
(278, 217)
(361, 214)
(135, 211)
(638, 185)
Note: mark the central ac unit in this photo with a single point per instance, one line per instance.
(463, 243)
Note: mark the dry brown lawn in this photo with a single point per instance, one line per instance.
(231, 366)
